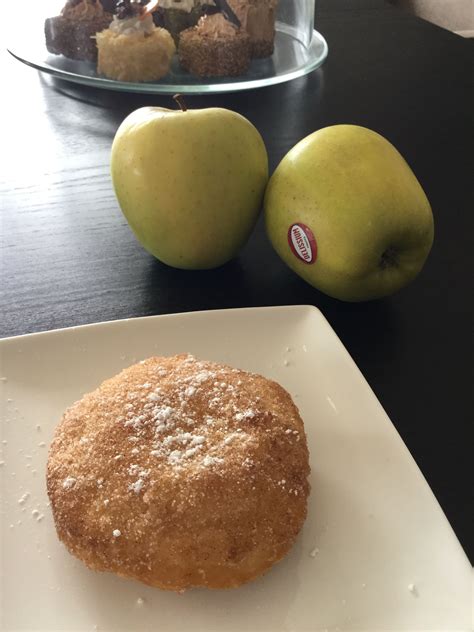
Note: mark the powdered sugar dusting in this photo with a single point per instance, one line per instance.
(37, 515)
(187, 416)
(191, 452)
(174, 456)
(170, 417)
(22, 500)
(245, 415)
(137, 486)
(232, 436)
(211, 460)
(141, 475)
(154, 397)
(201, 377)
(69, 482)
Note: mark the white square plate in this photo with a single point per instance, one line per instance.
(375, 553)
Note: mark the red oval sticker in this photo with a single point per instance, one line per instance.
(302, 243)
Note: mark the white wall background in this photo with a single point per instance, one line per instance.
(455, 15)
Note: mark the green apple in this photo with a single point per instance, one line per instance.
(345, 212)
(189, 182)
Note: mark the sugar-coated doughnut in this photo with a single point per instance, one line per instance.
(180, 473)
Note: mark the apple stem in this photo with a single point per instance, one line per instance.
(180, 101)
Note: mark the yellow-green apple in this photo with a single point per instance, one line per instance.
(345, 212)
(189, 182)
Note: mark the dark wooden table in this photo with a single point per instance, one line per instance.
(69, 258)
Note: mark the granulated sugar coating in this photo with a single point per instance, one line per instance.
(180, 473)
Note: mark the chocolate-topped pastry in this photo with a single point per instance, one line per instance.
(258, 19)
(177, 15)
(129, 8)
(72, 33)
(214, 48)
(109, 5)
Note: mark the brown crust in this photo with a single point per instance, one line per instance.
(74, 39)
(199, 469)
(207, 57)
(262, 48)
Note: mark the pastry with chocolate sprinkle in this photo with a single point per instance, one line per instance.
(72, 33)
(216, 47)
(180, 473)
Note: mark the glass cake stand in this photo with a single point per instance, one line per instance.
(299, 50)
